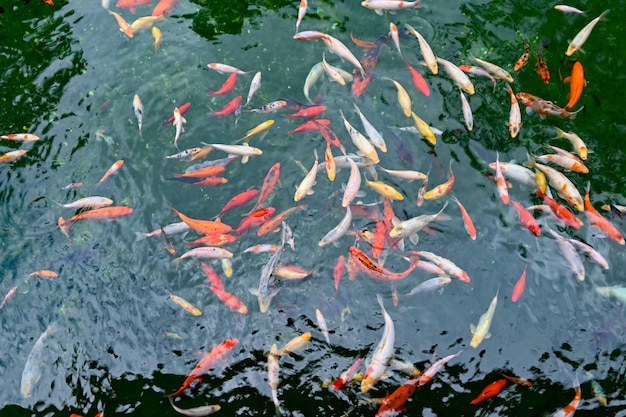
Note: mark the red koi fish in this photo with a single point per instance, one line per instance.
(490, 391)
(230, 108)
(518, 289)
(227, 87)
(368, 62)
(8, 296)
(131, 4)
(526, 218)
(377, 272)
(327, 133)
(467, 220)
(347, 376)
(164, 7)
(418, 80)
(600, 221)
(273, 225)
(212, 276)
(182, 109)
(576, 83)
(257, 218)
(216, 239)
(380, 238)
(205, 364)
(338, 271)
(207, 182)
(239, 200)
(230, 300)
(309, 126)
(308, 112)
(203, 172)
(267, 189)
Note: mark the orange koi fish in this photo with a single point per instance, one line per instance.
(490, 391)
(123, 24)
(205, 364)
(13, 155)
(114, 168)
(229, 108)
(273, 224)
(467, 220)
(418, 80)
(164, 7)
(576, 84)
(327, 133)
(227, 87)
(518, 289)
(190, 308)
(441, 189)
(211, 181)
(517, 380)
(377, 272)
(182, 109)
(394, 402)
(542, 68)
(44, 273)
(380, 237)
(214, 239)
(210, 171)
(104, 213)
(308, 112)
(309, 126)
(600, 221)
(524, 58)
(230, 300)
(204, 227)
(526, 218)
(561, 211)
(8, 296)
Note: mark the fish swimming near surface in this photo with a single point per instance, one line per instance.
(368, 62)
(35, 362)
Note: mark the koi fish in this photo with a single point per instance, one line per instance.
(425, 130)
(227, 87)
(44, 273)
(22, 137)
(301, 12)
(403, 97)
(565, 160)
(565, 188)
(291, 272)
(245, 150)
(201, 411)
(103, 213)
(338, 231)
(383, 353)
(269, 182)
(338, 271)
(12, 155)
(576, 82)
(524, 58)
(306, 185)
(368, 62)
(493, 69)
(327, 133)
(346, 376)
(478, 72)
(578, 144)
(481, 330)
(380, 6)
(353, 186)
(186, 305)
(238, 200)
(467, 112)
(204, 227)
(374, 135)
(457, 76)
(230, 300)
(418, 80)
(590, 252)
(570, 409)
(230, 108)
(467, 220)
(441, 189)
(89, 202)
(205, 252)
(158, 38)
(164, 7)
(393, 32)
(427, 52)
(8, 296)
(270, 107)
(225, 69)
(338, 48)
(526, 218)
(265, 293)
(144, 23)
(209, 171)
(411, 227)
(568, 9)
(32, 370)
(394, 403)
(600, 221)
(384, 190)
(255, 219)
(182, 109)
(272, 224)
(321, 323)
(178, 124)
(205, 364)
(296, 343)
(570, 255)
(273, 368)
(544, 107)
(433, 369)
(329, 163)
(332, 71)
(138, 108)
(430, 285)
(217, 239)
(122, 23)
(515, 115)
(490, 391)
(517, 380)
(542, 68)
(582, 36)
(518, 289)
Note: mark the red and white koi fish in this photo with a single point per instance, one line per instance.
(447, 265)
(570, 409)
(12, 155)
(346, 376)
(432, 370)
(182, 109)
(565, 188)
(478, 72)
(380, 6)
(301, 13)
(600, 221)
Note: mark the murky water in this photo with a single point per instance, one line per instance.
(69, 73)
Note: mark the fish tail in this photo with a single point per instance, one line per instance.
(140, 236)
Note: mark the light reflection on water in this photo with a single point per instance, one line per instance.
(111, 298)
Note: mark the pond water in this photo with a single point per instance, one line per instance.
(117, 343)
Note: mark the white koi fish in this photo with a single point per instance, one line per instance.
(457, 75)
(481, 330)
(429, 57)
(383, 353)
(138, 107)
(581, 37)
(338, 231)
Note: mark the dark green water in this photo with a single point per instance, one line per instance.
(69, 71)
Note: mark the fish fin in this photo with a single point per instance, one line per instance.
(310, 192)
(488, 335)
(414, 238)
(253, 291)
(401, 244)
(567, 79)
(244, 159)
(472, 328)
(140, 236)
(360, 194)
(395, 221)
(379, 12)
(132, 10)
